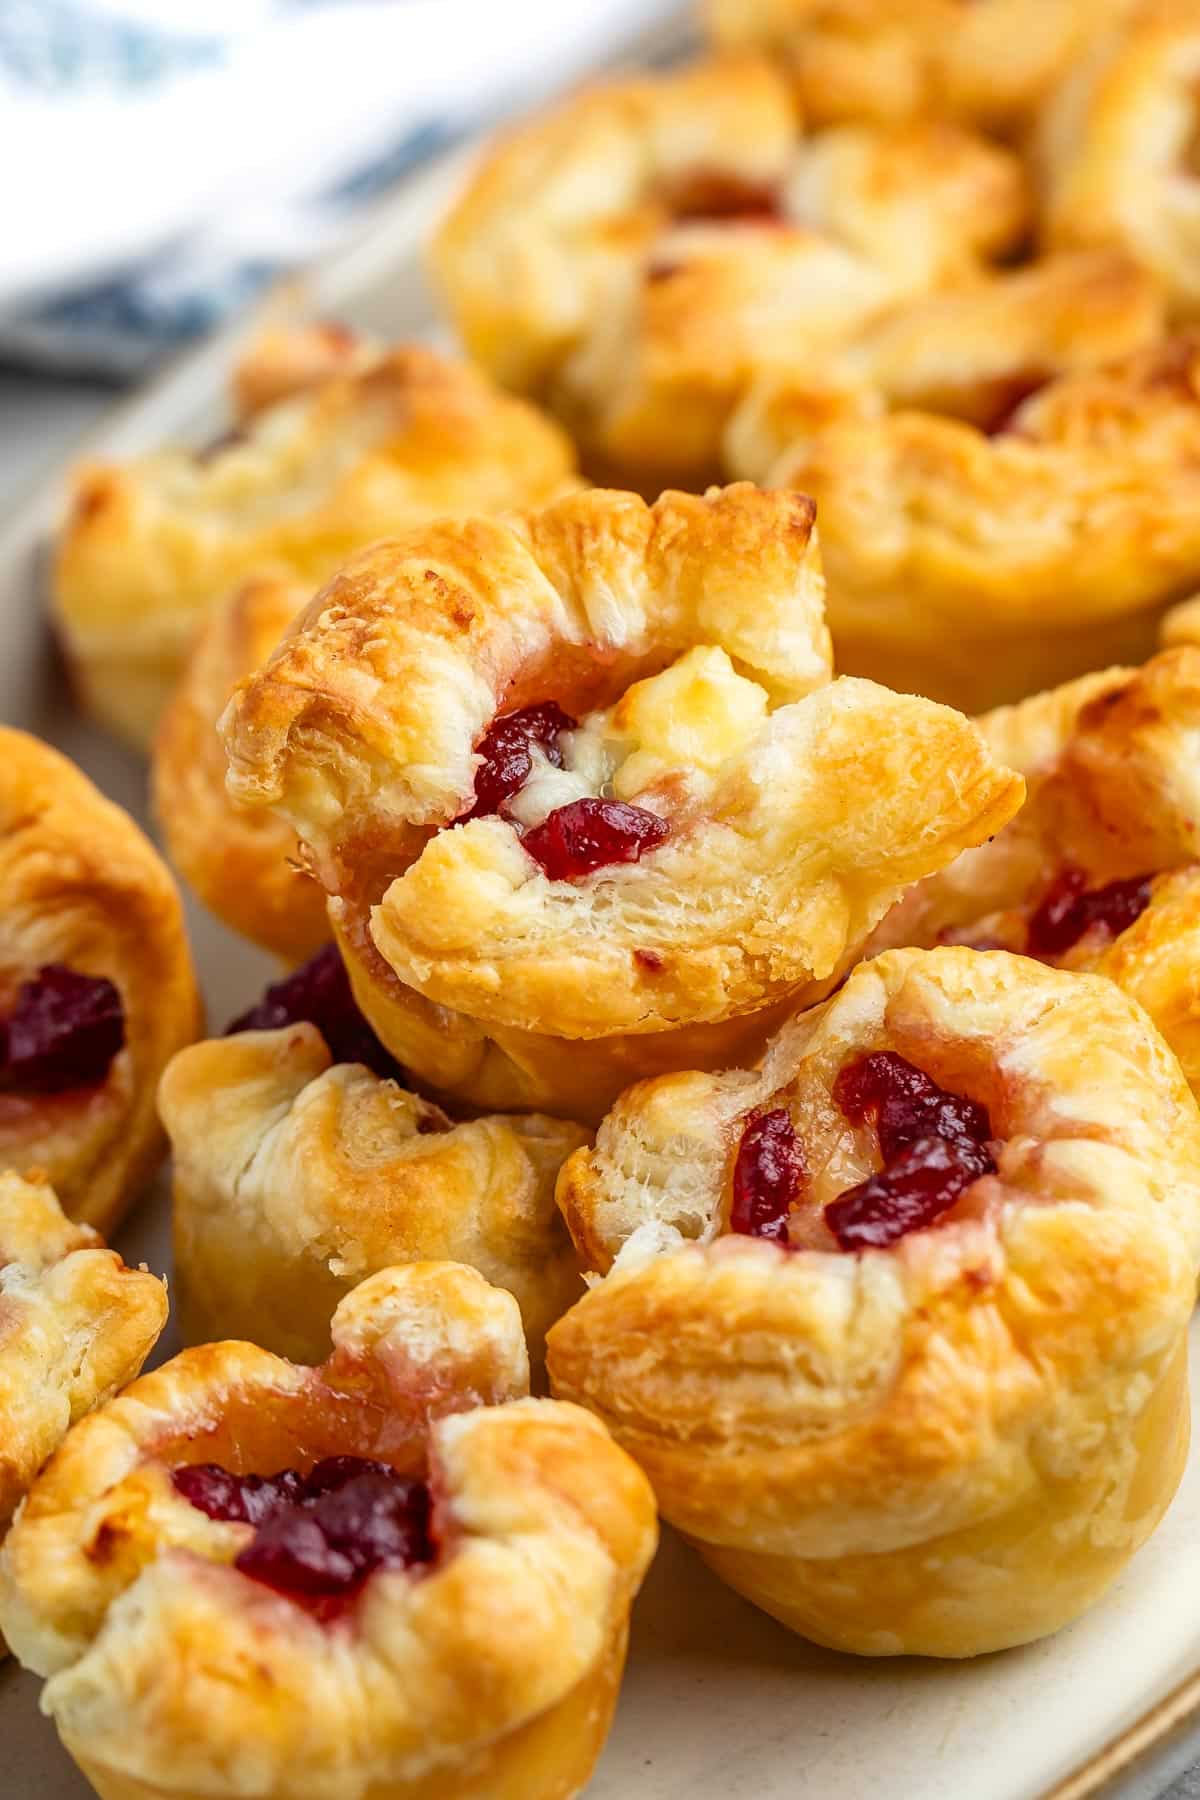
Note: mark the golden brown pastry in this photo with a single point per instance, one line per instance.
(977, 568)
(151, 545)
(991, 62)
(660, 838)
(896, 1324)
(390, 1576)
(242, 863)
(640, 252)
(284, 359)
(1100, 869)
(974, 352)
(303, 1164)
(1118, 146)
(97, 990)
(77, 1326)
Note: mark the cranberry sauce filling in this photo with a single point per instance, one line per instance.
(318, 993)
(713, 195)
(507, 753)
(590, 834)
(63, 1032)
(1069, 909)
(934, 1145)
(767, 1177)
(319, 1535)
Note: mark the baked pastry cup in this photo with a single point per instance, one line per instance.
(97, 990)
(243, 864)
(625, 714)
(896, 1324)
(1100, 869)
(77, 1326)
(432, 1600)
(977, 568)
(891, 60)
(1116, 147)
(637, 254)
(303, 1164)
(151, 545)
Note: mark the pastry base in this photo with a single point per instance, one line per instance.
(550, 1758)
(1004, 1582)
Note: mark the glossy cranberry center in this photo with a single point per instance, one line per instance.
(934, 1144)
(321, 1534)
(1068, 910)
(767, 1177)
(592, 834)
(507, 753)
(63, 1031)
(318, 993)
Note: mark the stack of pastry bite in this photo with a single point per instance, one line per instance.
(685, 1006)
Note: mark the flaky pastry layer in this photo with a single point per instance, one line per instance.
(494, 1665)
(951, 1444)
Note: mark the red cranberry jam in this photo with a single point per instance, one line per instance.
(507, 753)
(1068, 910)
(320, 1535)
(934, 1145)
(591, 834)
(767, 1177)
(318, 993)
(63, 1032)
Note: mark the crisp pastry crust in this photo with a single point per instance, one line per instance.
(151, 545)
(491, 1672)
(976, 568)
(1113, 794)
(638, 254)
(76, 1326)
(1117, 147)
(296, 1177)
(974, 353)
(991, 64)
(242, 863)
(80, 887)
(686, 642)
(945, 1446)
(284, 359)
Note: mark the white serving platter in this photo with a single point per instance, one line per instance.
(719, 1702)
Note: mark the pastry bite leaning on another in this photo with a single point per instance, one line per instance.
(584, 796)
(392, 1575)
(977, 566)
(303, 1164)
(638, 253)
(1100, 870)
(77, 1326)
(992, 63)
(97, 989)
(151, 545)
(897, 1323)
(242, 863)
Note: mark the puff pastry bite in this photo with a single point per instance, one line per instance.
(977, 568)
(896, 1324)
(992, 62)
(583, 794)
(303, 1164)
(97, 990)
(151, 545)
(1100, 869)
(392, 1575)
(639, 253)
(77, 1326)
(1117, 147)
(242, 863)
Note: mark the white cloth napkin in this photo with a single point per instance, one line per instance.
(163, 158)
